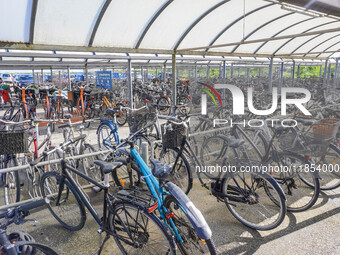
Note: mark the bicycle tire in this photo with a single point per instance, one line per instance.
(180, 174)
(120, 224)
(121, 116)
(249, 209)
(50, 189)
(90, 168)
(38, 249)
(105, 135)
(164, 105)
(183, 225)
(297, 201)
(12, 181)
(329, 179)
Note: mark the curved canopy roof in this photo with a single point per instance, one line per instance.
(259, 28)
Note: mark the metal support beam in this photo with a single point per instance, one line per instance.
(51, 74)
(69, 78)
(34, 79)
(152, 20)
(247, 74)
(195, 74)
(335, 79)
(174, 88)
(281, 77)
(224, 77)
(232, 71)
(59, 80)
(87, 74)
(293, 73)
(42, 75)
(270, 84)
(186, 32)
(99, 19)
(329, 73)
(32, 23)
(298, 72)
(164, 72)
(325, 75)
(208, 71)
(129, 83)
(320, 71)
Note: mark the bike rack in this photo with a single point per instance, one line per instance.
(22, 167)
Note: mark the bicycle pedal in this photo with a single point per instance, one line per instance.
(21, 184)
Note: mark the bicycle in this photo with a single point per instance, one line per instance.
(129, 218)
(185, 222)
(19, 242)
(12, 142)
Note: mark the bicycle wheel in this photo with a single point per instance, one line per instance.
(293, 179)
(121, 116)
(136, 231)
(184, 105)
(191, 244)
(180, 173)
(12, 182)
(106, 137)
(164, 106)
(90, 168)
(65, 205)
(247, 199)
(329, 168)
(26, 247)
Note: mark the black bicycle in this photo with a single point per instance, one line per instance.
(20, 242)
(127, 215)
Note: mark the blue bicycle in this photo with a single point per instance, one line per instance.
(185, 222)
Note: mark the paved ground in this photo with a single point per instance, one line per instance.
(315, 231)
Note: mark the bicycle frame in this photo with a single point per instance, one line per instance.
(156, 190)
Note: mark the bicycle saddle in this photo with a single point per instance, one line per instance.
(107, 167)
(67, 116)
(160, 169)
(234, 142)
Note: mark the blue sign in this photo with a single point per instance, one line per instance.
(115, 75)
(104, 79)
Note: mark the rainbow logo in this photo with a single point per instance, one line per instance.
(208, 89)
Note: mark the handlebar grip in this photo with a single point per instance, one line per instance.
(34, 204)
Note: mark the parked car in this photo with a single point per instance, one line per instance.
(6, 77)
(24, 79)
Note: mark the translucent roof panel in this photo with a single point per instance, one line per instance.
(78, 27)
(66, 22)
(173, 21)
(15, 20)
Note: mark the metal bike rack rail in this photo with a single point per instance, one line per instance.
(22, 167)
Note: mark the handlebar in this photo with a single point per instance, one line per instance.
(12, 123)
(24, 208)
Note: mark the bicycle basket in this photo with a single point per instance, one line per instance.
(13, 142)
(137, 120)
(136, 197)
(306, 144)
(326, 127)
(172, 138)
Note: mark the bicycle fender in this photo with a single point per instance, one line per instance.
(195, 216)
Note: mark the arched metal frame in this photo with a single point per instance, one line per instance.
(32, 23)
(234, 22)
(328, 48)
(320, 44)
(151, 21)
(311, 39)
(281, 31)
(197, 21)
(260, 27)
(284, 44)
(99, 19)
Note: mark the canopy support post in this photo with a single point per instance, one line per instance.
(270, 76)
(129, 83)
(325, 75)
(174, 89)
(293, 72)
(87, 74)
(281, 77)
(69, 78)
(335, 79)
(51, 74)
